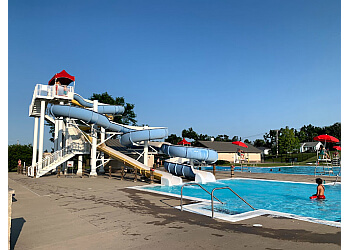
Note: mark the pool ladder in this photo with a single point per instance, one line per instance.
(212, 196)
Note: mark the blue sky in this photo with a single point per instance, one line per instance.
(221, 67)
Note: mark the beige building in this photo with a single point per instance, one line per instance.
(228, 151)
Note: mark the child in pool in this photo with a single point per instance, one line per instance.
(320, 190)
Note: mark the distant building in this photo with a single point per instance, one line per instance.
(228, 151)
(310, 146)
(265, 150)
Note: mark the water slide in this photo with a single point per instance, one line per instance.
(102, 108)
(177, 167)
(130, 135)
(166, 179)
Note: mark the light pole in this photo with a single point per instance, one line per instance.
(276, 141)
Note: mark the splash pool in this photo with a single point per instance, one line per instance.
(302, 170)
(285, 197)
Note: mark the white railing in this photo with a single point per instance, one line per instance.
(49, 91)
(53, 90)
(74, 148)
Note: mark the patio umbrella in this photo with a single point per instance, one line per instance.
(337, 148)
(184, 142)
(239, 143)
(326, 138)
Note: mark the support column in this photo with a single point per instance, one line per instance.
(101, 170)
(94, 144)
(59, 139)
(60, 134)
(41, 133)
(80, 165)
(55, 142)
(64, 141)
(145, 153)
(35, 140)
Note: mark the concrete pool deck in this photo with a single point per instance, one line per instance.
(102, 213)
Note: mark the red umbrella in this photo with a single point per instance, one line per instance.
(183, 142)
(326, 138)
(239, 143)
(337, 148)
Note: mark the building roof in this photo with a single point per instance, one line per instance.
(263, 148)
(310, 144)
(228, 147)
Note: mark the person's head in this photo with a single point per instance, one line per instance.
(321, 147)
(318, 181)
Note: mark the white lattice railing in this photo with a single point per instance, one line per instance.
(74, 148)
(53, 90)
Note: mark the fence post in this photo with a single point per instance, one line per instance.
(152, 175)
(58, 171)
(35, 172)
(232, 171)
(122, 173)
(135, 174)
(83, 170)
(214, 169)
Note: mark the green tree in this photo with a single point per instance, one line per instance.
(222, 138)
(307, 133)
(204, 137)
(235, 138)
(247, 141)
(287, 141)
(333, 130)
(270, 139)
(189, 133)
(128, 117)
(173, 139)
(16, 152)
(259, 143)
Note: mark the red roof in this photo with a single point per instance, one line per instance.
(63, 77)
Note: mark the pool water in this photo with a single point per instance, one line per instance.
(303, 170)
(286, 197)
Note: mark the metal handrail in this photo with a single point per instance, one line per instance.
(191, 184)
(48, 160)
(212, 200)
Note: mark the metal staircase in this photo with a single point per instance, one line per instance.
(57, 158)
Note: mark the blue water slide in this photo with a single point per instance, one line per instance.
(201, 154)
(129, 135)
(180, 169)
(102, 108)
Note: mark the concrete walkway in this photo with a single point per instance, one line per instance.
(101, 213)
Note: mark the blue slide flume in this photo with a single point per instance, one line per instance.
(193, 153)
(130, 133)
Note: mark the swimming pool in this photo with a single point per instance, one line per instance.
(303, 170)
(285, 197)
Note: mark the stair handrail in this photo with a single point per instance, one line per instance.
(197, 184)
(33, 100)
(57, 155)
(212, 200)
